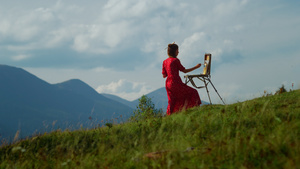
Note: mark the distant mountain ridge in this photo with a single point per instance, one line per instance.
(29, 104)
(131, 104)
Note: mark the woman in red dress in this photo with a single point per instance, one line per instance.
(180, 96)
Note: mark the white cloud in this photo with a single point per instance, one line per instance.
(21, 57)
(226, 8)
(125, 89)
(116, 33)
(191, 49)
(29, 26)
(4, 27)
(81, 43)
(27, 29)
(56, 38)
(117, 10)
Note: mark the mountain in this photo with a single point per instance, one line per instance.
(120, 100)
(29, 104)
(102, 104)
(79, 87)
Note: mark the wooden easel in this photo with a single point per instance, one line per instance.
(204, 77)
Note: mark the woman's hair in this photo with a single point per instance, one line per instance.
(172, 48)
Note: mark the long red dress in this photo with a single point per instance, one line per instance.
(180, 96)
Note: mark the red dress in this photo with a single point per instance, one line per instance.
(180, 96)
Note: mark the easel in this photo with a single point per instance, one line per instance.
(204, 77)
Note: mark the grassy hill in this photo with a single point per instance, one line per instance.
(259, 133)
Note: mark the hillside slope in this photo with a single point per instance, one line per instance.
(259, 133)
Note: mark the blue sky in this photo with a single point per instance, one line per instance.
(117, 46)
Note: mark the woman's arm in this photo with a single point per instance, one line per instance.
(191, 69)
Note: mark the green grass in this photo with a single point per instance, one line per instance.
(259, 133)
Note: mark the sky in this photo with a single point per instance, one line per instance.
(118, 46)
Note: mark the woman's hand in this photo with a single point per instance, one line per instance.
(198, 65)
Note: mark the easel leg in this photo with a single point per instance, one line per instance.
(207, 91)
(215, 90)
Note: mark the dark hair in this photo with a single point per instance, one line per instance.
(172, 48)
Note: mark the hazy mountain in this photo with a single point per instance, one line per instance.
(30, 104)
(79, 87)
(103, 104)
(119, 99)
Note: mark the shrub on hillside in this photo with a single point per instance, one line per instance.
(145, 109)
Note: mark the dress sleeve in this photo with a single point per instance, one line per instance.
(164, 72)
(179, 65)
